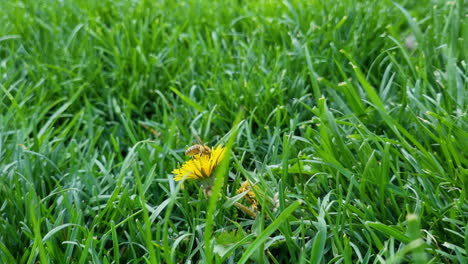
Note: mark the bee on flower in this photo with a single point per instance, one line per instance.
(201, 167)
(198, 149)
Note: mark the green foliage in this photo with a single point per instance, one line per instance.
(354, 130)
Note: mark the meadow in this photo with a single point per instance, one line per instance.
(347, 117)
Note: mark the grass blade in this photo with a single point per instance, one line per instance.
(268, 231)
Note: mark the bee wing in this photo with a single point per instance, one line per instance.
(199, 140)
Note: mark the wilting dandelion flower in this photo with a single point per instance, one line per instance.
(201, 166)
(250, 195)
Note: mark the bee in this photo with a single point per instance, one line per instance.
(199, 148)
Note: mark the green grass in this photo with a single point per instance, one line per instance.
(351, 118)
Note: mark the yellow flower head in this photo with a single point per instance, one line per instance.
(250, 195)
(201, 166)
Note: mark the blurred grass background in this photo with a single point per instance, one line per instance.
(354, 116)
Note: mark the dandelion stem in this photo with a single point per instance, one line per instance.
(245, 209)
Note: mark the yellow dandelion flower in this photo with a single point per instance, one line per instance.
(250, 195)
(201, 166)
